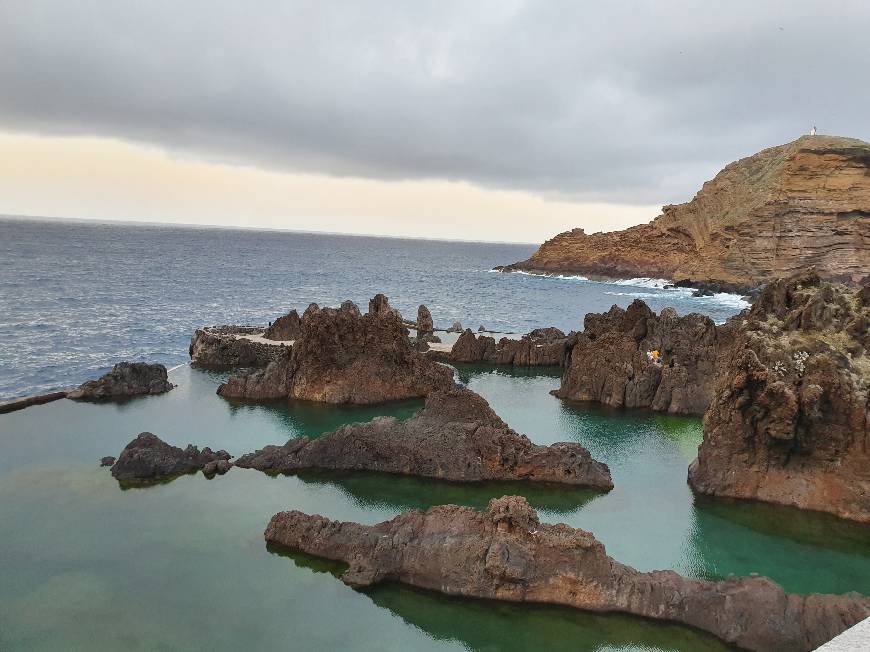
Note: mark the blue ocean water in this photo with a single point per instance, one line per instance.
(76, 297)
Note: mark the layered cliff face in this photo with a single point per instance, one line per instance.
(506, 553)
(610, 361)
(789, 422)
(806, 203)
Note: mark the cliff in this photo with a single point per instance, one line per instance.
(805, 203)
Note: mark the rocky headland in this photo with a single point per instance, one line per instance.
(767, 216)
(225, 347)
(124, 380)
(457, 436)
(610, 361)
(343, 356)
(506, 553)
(287, 327)
(148, 459)
(541, 347)
(789, 422)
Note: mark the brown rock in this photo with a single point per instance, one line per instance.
(609, 361)
(538, 348)
(424, 321)
(226, 347)
(506, 553)
(124, 380)
(149, 459)
(455, 437)
(789, 422)
(286, 327)
(342, 356)
(761, 218)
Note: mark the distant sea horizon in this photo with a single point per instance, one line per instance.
(77, 296)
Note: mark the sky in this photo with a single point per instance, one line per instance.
(503, 120)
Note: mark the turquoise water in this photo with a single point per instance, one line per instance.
(183, 565)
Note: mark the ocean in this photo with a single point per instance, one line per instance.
(76, 297)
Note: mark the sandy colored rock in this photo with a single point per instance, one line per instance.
(506, 553)
(342, 356)
(457, 436)
(610, 361)
(789, 422)
(763, 217)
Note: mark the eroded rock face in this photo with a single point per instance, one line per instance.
(124, 380)
(424, 321)
(342, 356)
(457, 436)
(609, 361)
(227, 347)
(761, 218)
(506, 553)
(286, 327)
(540, 348)
(789, 421)
(149, 459)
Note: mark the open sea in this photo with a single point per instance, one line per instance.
(76, 297)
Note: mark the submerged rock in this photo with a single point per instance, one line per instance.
(150, 459)
(342, 356)
(506, 553)
(636, 359)
(537, 349)
(286, 327)
(457, 436)
(230, 346)
(789, 423)
(125, 379)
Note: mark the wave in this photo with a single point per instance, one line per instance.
(564, 277)
(644, 282)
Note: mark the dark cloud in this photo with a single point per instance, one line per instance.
(623, 101)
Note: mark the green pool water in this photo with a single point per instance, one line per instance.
(183, 566)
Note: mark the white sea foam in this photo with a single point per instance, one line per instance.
(644, 282)
(564, 277)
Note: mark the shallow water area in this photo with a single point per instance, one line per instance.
(183, 565)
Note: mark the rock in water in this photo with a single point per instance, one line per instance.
(125, 379)
(789, 422)
(424, 321)
(457, 436)
(287, 327)
(537, 349)
(610, 360)
(229, 346)
(506, 553)
(342, 356)
(150, 459)
(763, 217)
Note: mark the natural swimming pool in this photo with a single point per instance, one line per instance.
(183, 565)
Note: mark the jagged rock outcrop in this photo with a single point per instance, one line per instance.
(287, 327)
(456, 436)
(506, 553)
(609, 361)
(149, 459)
(789, 422)
(342, 356)
(232, 346)
(542, 347)
(424, 321)
(761, 218)
(124, 380)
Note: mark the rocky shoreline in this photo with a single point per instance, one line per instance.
(506, 553)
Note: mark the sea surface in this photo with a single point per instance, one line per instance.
(88, 565)
(76, 297)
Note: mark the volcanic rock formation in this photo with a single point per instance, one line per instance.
(609, 361)
(125, 379)
(541, 347)
(231, 346)
(342, 356)
(789, 422)
(763, 217)
(149, 459)
(424, 321)
(286, 327)
(457, 436)
(506, 553)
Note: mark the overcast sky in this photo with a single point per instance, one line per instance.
(348, 116)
